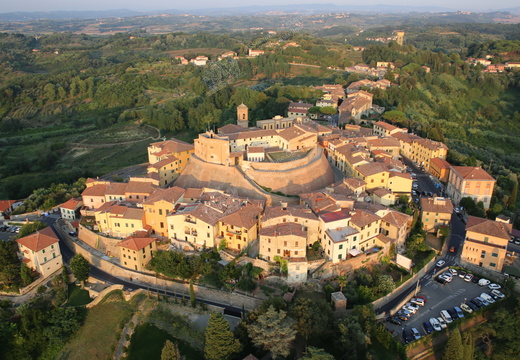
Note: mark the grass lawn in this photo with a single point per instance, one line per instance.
(99, 335)
(148, 340)
(78, 296)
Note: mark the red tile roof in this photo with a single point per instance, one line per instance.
(472, 173)
(39, 240)
(6, 204)
(70, 204)
(136, 243)
(489, 227)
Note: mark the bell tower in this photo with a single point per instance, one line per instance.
(243, 116)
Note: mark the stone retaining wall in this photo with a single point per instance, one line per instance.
(282, 166)
(102, 243)
(145, 279)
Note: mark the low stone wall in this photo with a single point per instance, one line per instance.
(102, 295)
(381, 301)
(35, 284)
(148, 279)
(101, 243)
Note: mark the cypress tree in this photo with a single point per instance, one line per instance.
(220, 343)
(454, 349)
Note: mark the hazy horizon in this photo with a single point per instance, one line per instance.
(103, 5)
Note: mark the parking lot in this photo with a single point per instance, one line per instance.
(4, 236)
(439, 297)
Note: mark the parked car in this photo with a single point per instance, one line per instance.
(427, 327)
(498, 293)
(453, 272)
(440, 263)
(484, 282)
(394, 320)
(487, 297)
(466, 308)
(482, 300)
(476, 302)
(423, 298)
(402, 317)
(494, 287)
(411, 310)
(446, 316)
(441, 280)
(417, 301)
(475, 280)
(412, 306)
(459, 312)
(407, 336)
(442, 323)
(73, 233)
(453, 249)
(453, 314)
(446, 277)
(435, 324)
(468, 277)
(462, 274)
(416, 334)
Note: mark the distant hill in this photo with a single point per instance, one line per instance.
(244, 10)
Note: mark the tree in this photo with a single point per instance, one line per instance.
(170, 351)
(30, 228)
(80, 267)
(193, 299)
(385, 284)
(351, 336)
(454, 349)
(273, 331)
(313, 318)
(317, 354)
(511, 202)
(342, 282)
(395, 116)
(220, 344)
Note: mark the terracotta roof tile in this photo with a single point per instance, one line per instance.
(283, 229)
(489, 227)
(136, 243)
(472, 173)
(39, 240)
(362, 218)
(71, 204)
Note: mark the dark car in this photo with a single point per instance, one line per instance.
(476, 302)
(394, 320)
(475, 280)
(440, 280)
(73, 233)
(472, 306)
(453, 314)
(427, 327)
(402, 317)
(407, 336)
(3, 228)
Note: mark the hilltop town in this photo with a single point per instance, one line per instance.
(339, 210)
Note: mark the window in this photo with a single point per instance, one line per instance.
(296, 243)
(278, 251)
(341, 246)
(339, 256)
(494, 255)
(285, 243)
(268, 249)
(492, 264)
(296, 253)
(486, 239)
(160, 211)
(162, 225)
(43, 251)
(45, 259)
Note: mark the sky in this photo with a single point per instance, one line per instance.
(140, 5)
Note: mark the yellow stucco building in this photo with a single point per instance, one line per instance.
(136, 252)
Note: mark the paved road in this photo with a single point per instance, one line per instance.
(97, 273)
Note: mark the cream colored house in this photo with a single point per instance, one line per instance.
(435, 212)
(40, 251)
(119, 220)
(240, 228)
(287, 240)
(136, 252)
(486, 243)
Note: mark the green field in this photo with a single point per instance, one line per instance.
(148, 340)
(99, 335)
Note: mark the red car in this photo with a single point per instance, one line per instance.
(452, 249)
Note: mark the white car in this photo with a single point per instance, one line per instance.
(468, 277)
(487, 297)
(409, 309)
(442, 323)
(435, 324)
(484, 282)
(466, 308)
(417, 301)
(498, 293)
(446, 276)
(446, 316)
(412, 305)
(494, 287)
(453, 272)
(440, 263)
